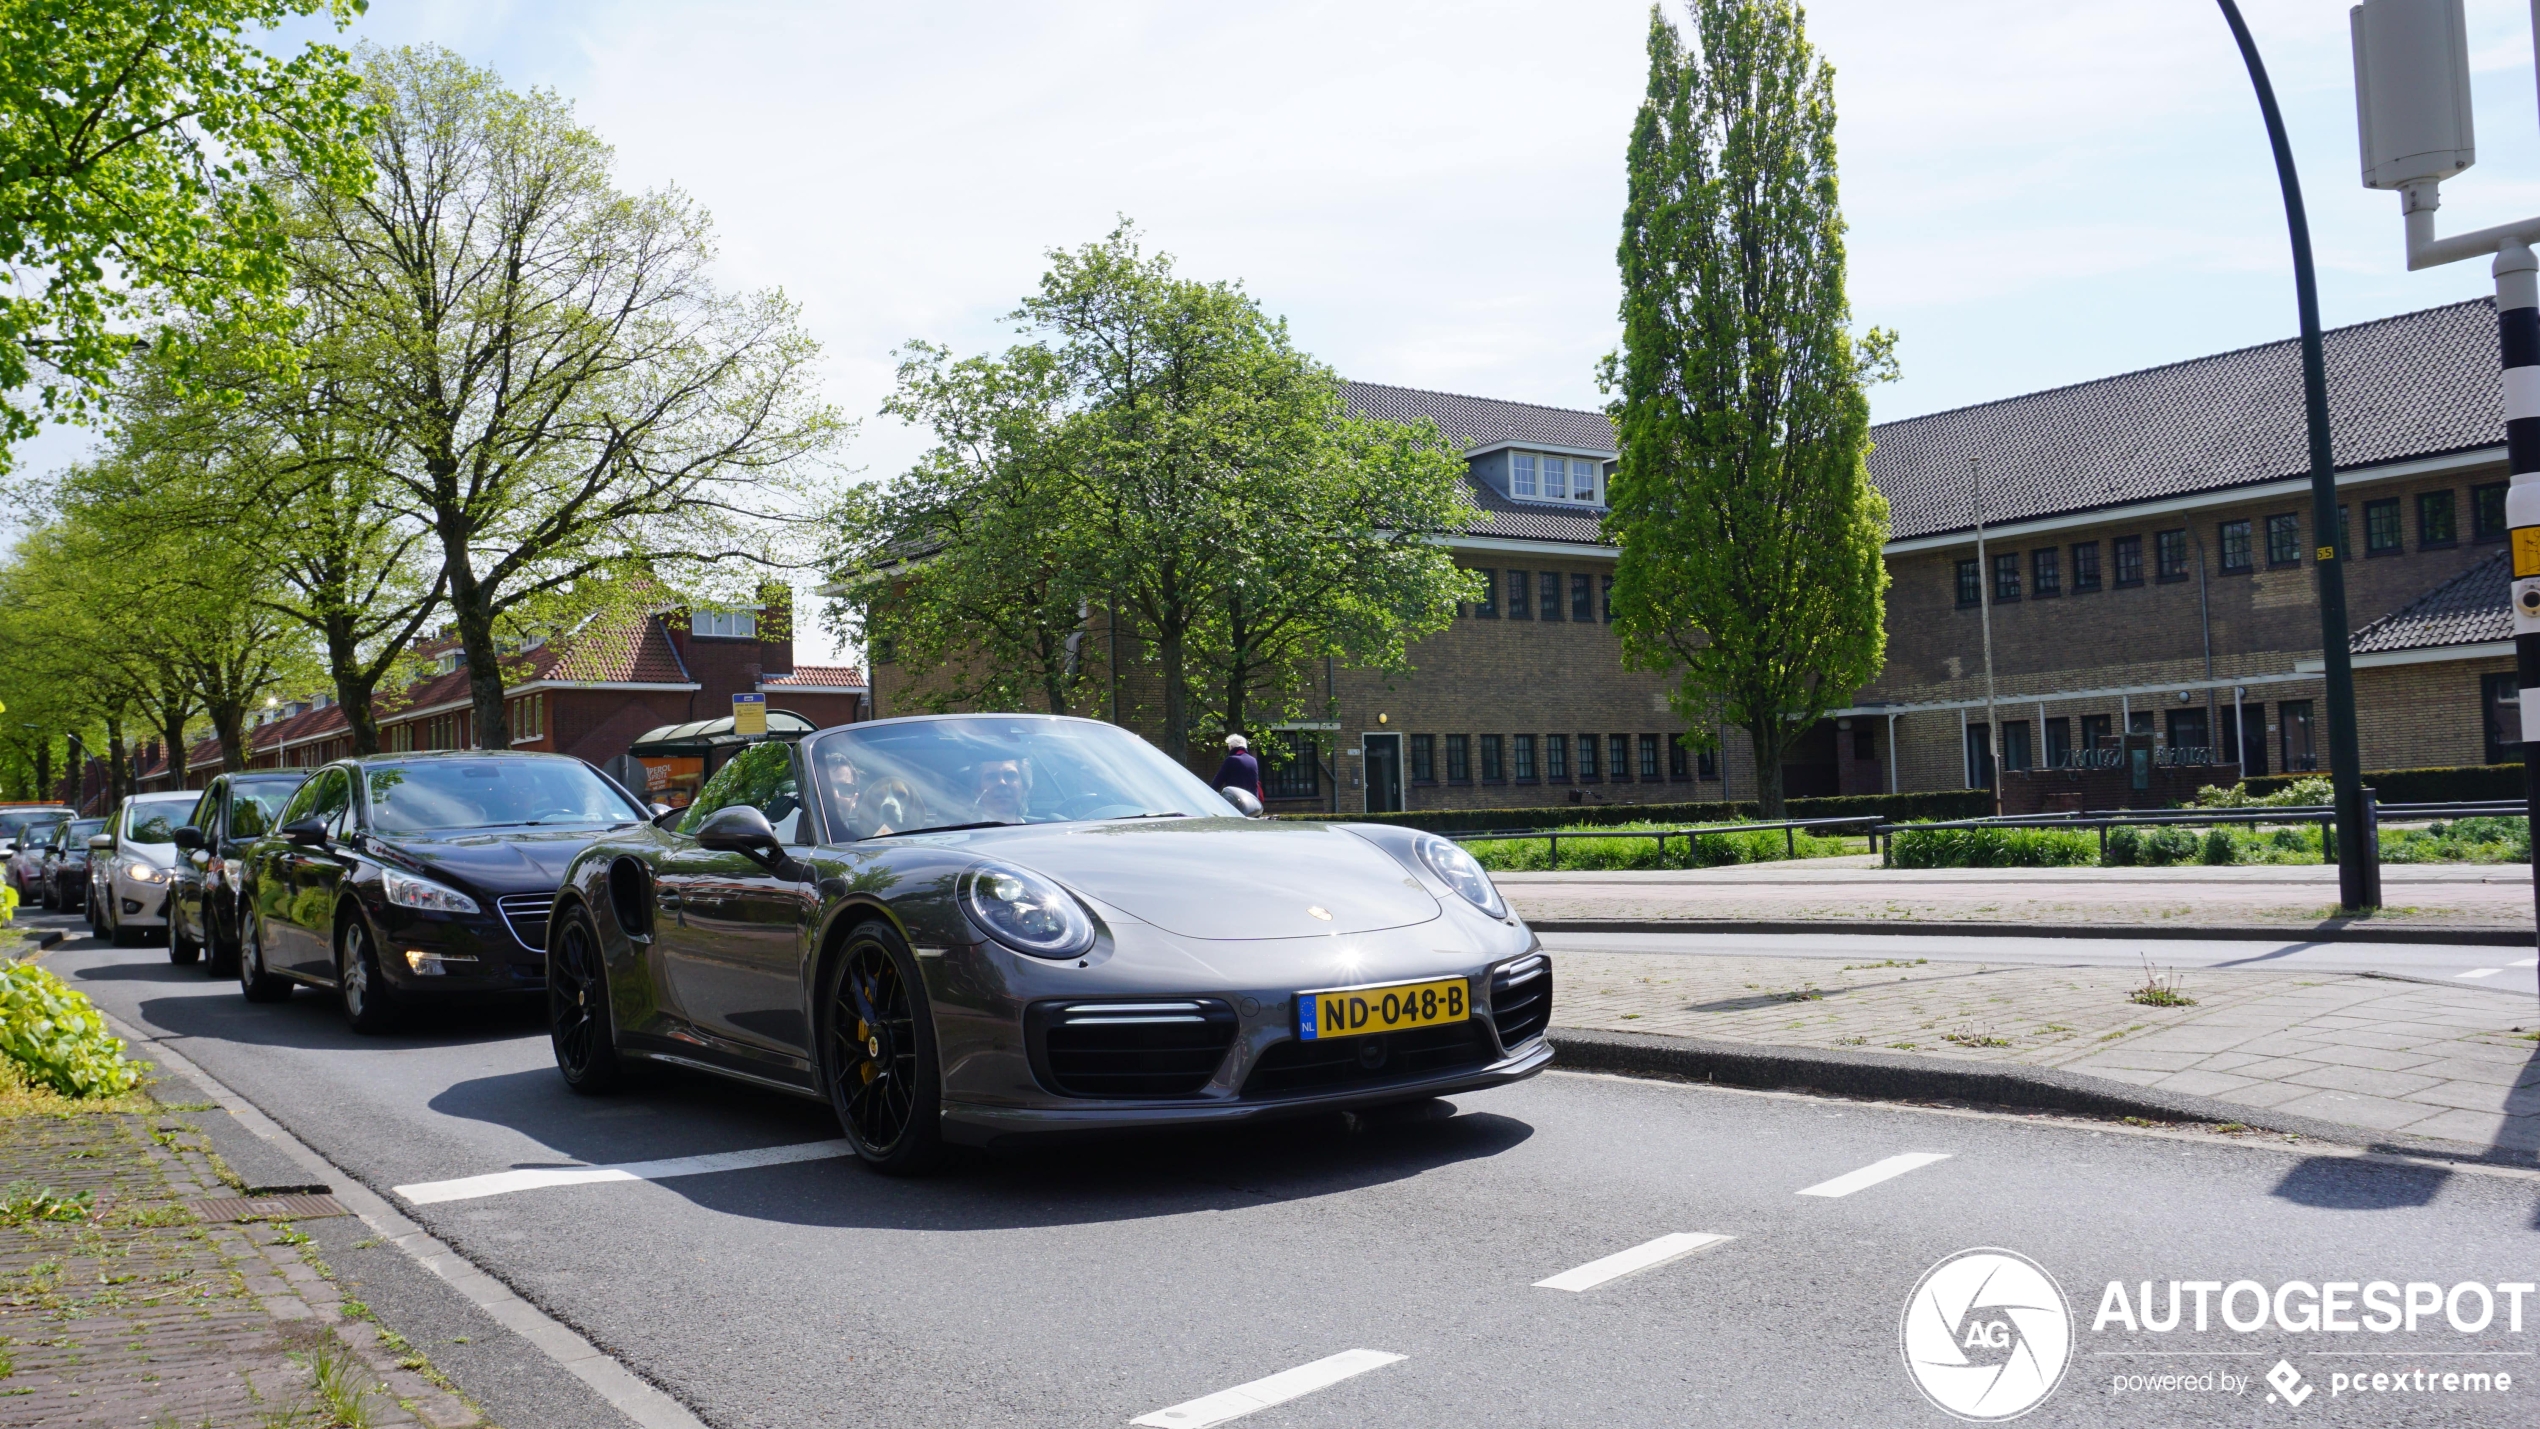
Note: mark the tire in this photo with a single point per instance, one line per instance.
(220, 959)
(254, 983)
(878, 1061)
(370, 1004)
(580, 1025)
(182, 950)
(48, 900)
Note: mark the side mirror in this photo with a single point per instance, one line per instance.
(188, 838)
(738, 829)
(101, 843)
(669, 817)
(660, 809)
(310, 833)
(1243, 801)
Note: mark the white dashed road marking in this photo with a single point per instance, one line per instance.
(1279, 1388)
(2526, 963)
(1874, 1173)
(2480, 972)
(469, 1188)
(1624, 1262)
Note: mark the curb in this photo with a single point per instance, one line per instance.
(2335, 932)
(1890, 1076)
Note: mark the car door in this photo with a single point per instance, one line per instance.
(314, 875)
(731, 926)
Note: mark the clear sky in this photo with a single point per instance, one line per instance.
(2039, 192)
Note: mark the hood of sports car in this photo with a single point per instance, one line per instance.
(1225, 878)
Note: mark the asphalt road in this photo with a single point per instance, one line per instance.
(1105, 1285)
(2506, 969)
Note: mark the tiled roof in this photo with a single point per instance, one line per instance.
(2416, 385)
(2471, 608)
(1472, 422)
(621, 647)
(827, 676)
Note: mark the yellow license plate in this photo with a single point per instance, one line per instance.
(1358, 1011)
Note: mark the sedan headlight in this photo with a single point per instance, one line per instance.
(1463, 873)
(407, 891)
(1027, 912)
(145, 872)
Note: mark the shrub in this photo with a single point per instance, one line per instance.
(56, 1038)
(2169, 844)
(1989, 848)
(2420, 786)
(8, 905)
(2125, 847)
(1710, 850)
(2481, 840)
(2308, 789)
(2219, 847)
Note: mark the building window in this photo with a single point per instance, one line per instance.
(2085, 565)
(1459, 764)
(2487, 511)
(1605, 599)
(2191, 736)
(2097, 730)
(2128, 552)
(1490, 759)
(2500, 697)
(1970, 583)
(1424, 759)
(2284, 540)
(1676, 760)
(2006, 577)
(1294, 757)
(2345, 544)
(1582, 598)
(1706, 766)
(1521, 473)
(1549, 477)
(2170, 549)
(2381, 527)
(2437, 525)
(2236, 553)
(1487, 607)
(1522, 752)
(2301, 748)
(2059, 742)
(1618, 758)
(1549, 584)
(1520, 588)
(1587, 757)
(2015, 746)
(1556, 757)
(1649, 757)
(724, 624)
(1583, 478)
(2046, 572)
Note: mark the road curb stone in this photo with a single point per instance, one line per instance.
(2151, 932)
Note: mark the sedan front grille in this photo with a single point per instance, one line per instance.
(526, 915)
(1298, 1068)
(1163, 1048)
(1521, 999)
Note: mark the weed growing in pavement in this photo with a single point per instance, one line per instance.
(341, 1383)
(2161, 989)
(25, 1203)
(2228, 1127)
(1889, 963)
(1904, 1046)
(1852, 1041)
(1801, 994)
(289, 1234)
(1970, 1037)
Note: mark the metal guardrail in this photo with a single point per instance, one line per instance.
(1790, 833)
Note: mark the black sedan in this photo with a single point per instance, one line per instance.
(236, 810)
(983, 928)
(65, 871)
(391, 878)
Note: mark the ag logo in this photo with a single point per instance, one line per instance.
(1986, 1335)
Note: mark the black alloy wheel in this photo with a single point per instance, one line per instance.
(370, 1004)
(879, 1055)
(578, 1018)
(254, 983)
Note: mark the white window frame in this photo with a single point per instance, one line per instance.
(724, 624)
(1537, 486)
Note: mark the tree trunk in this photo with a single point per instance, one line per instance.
(1768, 737)
(1177, 695)
(229, 726)
(475, 620)
(353, 687)
(115, 763)
(44, 766)
(174, 732)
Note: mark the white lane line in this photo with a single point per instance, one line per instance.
(1279, 1388)
(2526, 963)
(1874, 1173)
(1624, 1262)
(2479, 972)
(498, 1183)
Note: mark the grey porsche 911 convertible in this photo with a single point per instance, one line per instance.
(982, 928)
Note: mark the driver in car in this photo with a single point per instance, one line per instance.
(1005, 788)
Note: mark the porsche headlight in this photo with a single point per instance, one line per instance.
(1463, 873)
(1027, 912)
(407, 891)
(145, 872)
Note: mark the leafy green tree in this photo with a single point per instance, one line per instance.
(569, 397)
(138, 145)
(1750, 532)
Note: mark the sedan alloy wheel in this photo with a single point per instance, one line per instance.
(880, 1056)
(254, 983)
(370, 1004)
(578, 1020)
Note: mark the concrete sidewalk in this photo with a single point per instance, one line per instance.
(2456, 897)
(2456, 1067)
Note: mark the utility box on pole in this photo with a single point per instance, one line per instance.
(2412, 91)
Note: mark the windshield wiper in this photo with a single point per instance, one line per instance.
(1123, 818)
(954, 828)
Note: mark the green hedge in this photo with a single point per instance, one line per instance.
(2420, 786)
(1990, 848)
(1951, 804)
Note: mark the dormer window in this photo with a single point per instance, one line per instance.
(452, 660)
(1549, 476)
(725, 624)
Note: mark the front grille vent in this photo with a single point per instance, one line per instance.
(1300, 1068)
(1166, 1048)
(526, 915)
(1521, 999)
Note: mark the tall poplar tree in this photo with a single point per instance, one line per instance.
(1750, 532)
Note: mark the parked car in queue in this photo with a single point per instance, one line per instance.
(129, 865)
(235, 811)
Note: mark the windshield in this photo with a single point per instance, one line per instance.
(11, 825)
(81, 831)
(156, 822)
(896, 777)
(482, 793)
(252, 807)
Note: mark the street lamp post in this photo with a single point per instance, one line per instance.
(2358, 865)
(2412, 115)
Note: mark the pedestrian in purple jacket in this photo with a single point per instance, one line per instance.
(1241, 770)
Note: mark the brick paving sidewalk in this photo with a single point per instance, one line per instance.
(132, 1312)
(2457, 1065)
